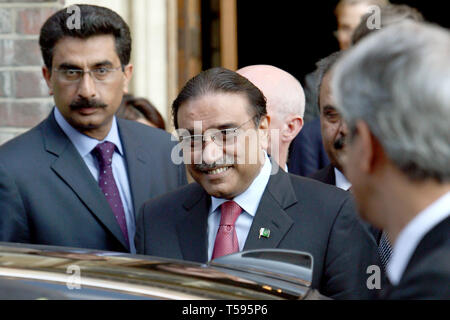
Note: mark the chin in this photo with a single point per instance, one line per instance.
(217, 191)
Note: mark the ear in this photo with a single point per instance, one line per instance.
(264, 131)
(292, 127)
(128, 73)
(47, 76)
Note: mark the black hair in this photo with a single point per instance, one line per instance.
(94, 20)
(134, 108)
(217, 80)
(323, 66)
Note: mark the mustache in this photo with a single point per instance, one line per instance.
(215, 165)
(87, 103)
(339, 143)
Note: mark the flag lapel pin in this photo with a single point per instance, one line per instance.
(263, 232)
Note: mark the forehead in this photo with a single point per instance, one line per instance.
(85, 52)
(215, 109)
(351, 14)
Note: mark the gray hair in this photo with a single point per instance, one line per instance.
(390, 15)
(398, 82)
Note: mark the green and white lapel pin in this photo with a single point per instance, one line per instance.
(264, 232)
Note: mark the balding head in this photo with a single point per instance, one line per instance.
(285, 103)
(283, 92)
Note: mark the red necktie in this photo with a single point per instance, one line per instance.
(226, 238)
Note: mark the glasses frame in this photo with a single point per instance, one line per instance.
(214, 136)
(82, 72)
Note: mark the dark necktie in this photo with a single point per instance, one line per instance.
(226, 238)
(384, 250)
(104, 154)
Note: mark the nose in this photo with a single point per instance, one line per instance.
(343, 129)
(211, 152)
(86, 87)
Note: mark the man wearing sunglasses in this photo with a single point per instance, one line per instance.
(242, 200)
(79, 177)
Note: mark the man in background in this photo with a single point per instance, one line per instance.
(392, 90)
(285, 107)
(78, 178)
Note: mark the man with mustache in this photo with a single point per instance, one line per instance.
(78, 178)
(334, 134)
(332, 127)
(241, 200)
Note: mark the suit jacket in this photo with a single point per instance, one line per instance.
(328, 176)
(299, 218)
(427, 275)
(307, 154)
(325, 175)
(49, 196)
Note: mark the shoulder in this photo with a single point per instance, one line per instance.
(429, 278)
(314, 189)
(29, 141)
(175, 201)
(325, 175)
(326, 203)
(143, 130)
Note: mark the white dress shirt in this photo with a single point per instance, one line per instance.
(409, 238)
(84, 145)
(248, 201)
(341, 180)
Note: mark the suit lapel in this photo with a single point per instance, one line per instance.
(70, 167)
(271, 214)
(434, 238)
(141, 178)
(193, 228)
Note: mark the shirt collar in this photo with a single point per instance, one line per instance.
(409, 238)
(83, 143)
(341, 180)
(250, 198)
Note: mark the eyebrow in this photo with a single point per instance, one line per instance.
(329, 107)
(221, 127)
(104, 63)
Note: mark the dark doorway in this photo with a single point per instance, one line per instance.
(294, 35)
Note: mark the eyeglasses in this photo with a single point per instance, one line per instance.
(75, 75)
(224, 137)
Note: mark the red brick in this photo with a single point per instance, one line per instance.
(6, 88)
(30, 21)
(23, 114)
(30, 84)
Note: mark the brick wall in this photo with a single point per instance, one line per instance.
(24, 98)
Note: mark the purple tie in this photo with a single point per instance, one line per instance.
(104, 153)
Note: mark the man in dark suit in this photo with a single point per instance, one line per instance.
(307, 154)
(392, 89)
(242, 200)
(78, 178)
(333, 129)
